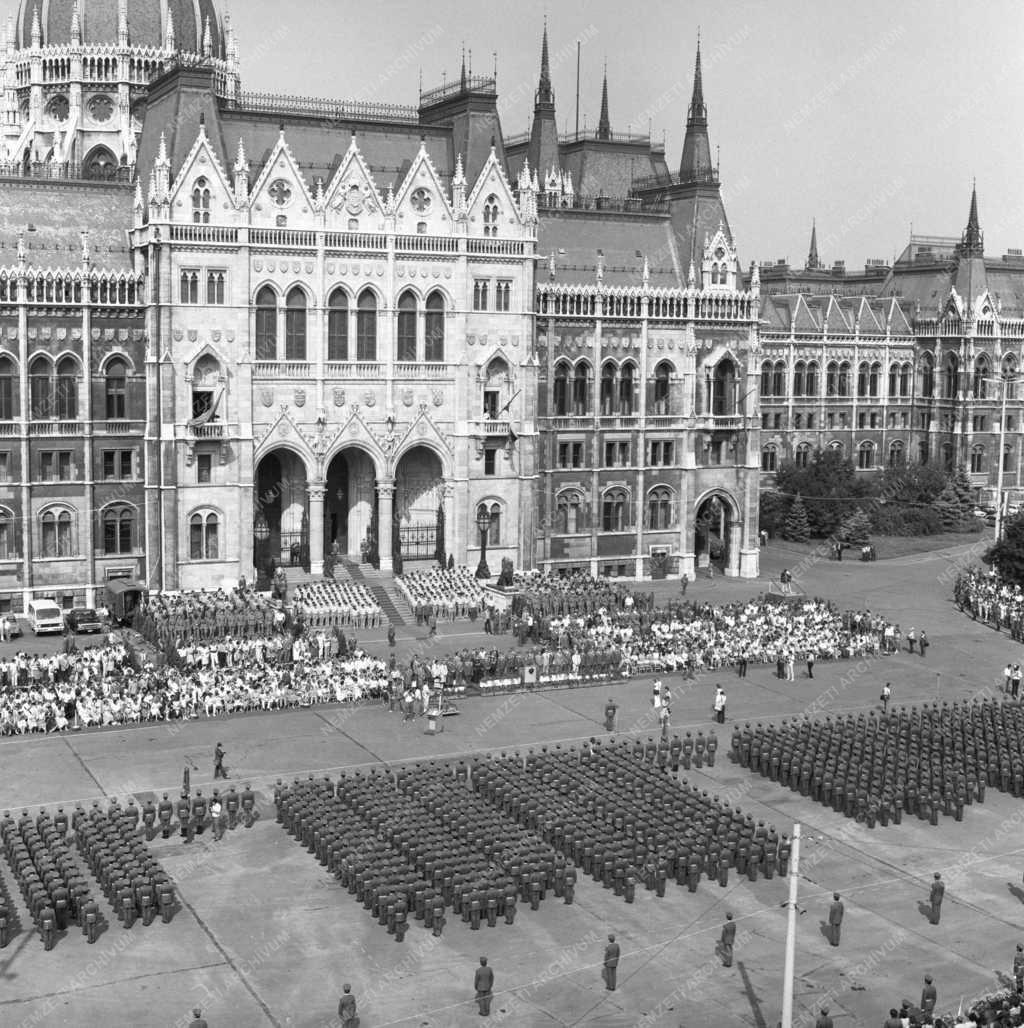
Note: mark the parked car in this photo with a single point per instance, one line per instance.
(12, 625)
(990, 520)
(86, 620)
(980, 512)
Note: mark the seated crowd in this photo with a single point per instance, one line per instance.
(443, 593)
(984, 595)
(335, 605)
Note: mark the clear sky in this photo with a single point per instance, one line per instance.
(869, 116)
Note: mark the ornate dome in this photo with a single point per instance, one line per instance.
(147, 23)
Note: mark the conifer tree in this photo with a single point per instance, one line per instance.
(797, 528)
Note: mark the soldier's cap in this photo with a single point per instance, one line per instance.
(728, 917)
(835, 895)
(483, 960)
(937, 875)
(928, 978)
(196, 1012)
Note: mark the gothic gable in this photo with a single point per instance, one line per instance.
(492, 183)
(719, 268)
(201, 186)
(352, 194)
(280, 198)
(422, 200)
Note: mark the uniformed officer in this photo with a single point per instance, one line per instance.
(938, 890)
(611, 963)
(483, 982)
(610, 710)
(835, 919)
(248, 805)
(232, 804)
(149, 819)
(164, 812)
(347, 1006)
(184, 811)
(727, 940)
(929, 996)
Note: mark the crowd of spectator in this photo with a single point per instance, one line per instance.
(987, 597)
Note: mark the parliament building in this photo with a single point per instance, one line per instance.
(240, 329)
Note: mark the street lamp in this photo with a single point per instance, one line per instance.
(483, 523)
(261, 533)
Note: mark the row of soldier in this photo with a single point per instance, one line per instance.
(928, 761)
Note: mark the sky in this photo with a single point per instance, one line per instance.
(870, 117)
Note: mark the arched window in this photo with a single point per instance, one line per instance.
(560, 398)
(201, 202)
(836, 447)
(6, 389)
(811, 379)
(659, 509)
(844, 379)
(866, 456)
(190, 286)
(799, 378)
(947, 456)
(118, 530)
(803, 455)
(626, 389)
(894, 375)
(927, 376)
(905, 374)
(977, 460)
(1010, 373)
(266, 324)
(569, 517)
(614, 511)
(40, 383)
(769, 457)
(581, 389)
(951, 376)
(9, 549)
(204, 536)
(895, 454)
(862, 379)
(407, 327)
(295, 325)
(874, 374)
(491, 216)
(723, 394)
(607, 389)
(662, 378)
(366, 326)
(798, 420)
(979, 387)
(56, 537)
(433, 322)
(779, 379)
(766, 379)
(832, 379)
(337, 326)
(116, 383)
(67, 389)
(493, 512)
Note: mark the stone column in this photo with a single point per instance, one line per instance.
(385, 509)
(316, 493)
(735, 542)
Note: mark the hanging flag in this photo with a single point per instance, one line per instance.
(207, 415)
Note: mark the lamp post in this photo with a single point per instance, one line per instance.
(261, 533)
(483, 523)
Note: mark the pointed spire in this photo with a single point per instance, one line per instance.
(241, 161)
(76, 26)
(646, 271)
(459, 189)
(698, 109)
(122, 22)
(604, 128)
(462, 76)
(813, 263)
(207, 38)
(161, 153)
(460, 176)
(169, 32)
(138, 194)
(691, 276)
(37, 32)
(972, 242)
(544, 94)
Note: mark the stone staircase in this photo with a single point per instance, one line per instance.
(382, 587)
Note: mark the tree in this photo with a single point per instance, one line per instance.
(964, 494)
(1007, 555)
(829, 486)
(796, 527)
(947, 506)
(856, 529)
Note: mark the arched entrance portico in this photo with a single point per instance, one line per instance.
(350, 506)
(718, 533)
(280, 514)
(419, 516)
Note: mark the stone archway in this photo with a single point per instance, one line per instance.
(419, 518)
(718, 533)
(280, 513)
(350, 506)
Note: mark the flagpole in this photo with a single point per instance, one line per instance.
(787, 983)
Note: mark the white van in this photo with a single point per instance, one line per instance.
(45, 616)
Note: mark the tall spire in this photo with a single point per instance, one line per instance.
(972, 242)
(604, 128)
(76, 26)
(813, 264)
(462, 77)
(544, 94)
(696, 165)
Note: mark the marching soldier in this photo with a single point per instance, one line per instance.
(164, 813)
(611, 963)
(184, 811)
(248, 805)
(149, 819)
(727, 940)
(938, 890)
(232, 804)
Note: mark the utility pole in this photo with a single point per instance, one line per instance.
(787, 983)
(578, 45)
